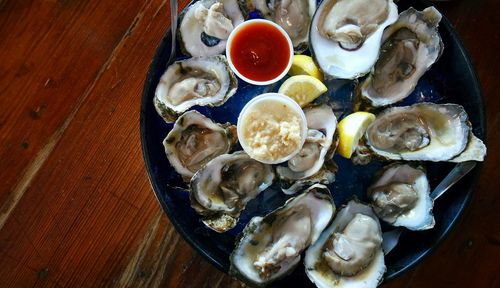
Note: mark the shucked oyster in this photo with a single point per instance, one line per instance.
(294, 16)
(424, 131)
(270, 246)
(194, 140)
(411, 46)
(206, 25)
(195, 81)
(349, 252)
(346, 35)
(401, 197)
(221, 189)
(307, 166)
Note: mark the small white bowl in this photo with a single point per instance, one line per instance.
(281, 100)
(243, 25)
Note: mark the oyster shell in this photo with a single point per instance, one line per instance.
(345, 35)
(411, 46)
(195, 140)
(221, 189)
(195, 81)
(401, 197)
(424, 131)
(270, 247)
(317, 149)
(205, 26)
(349, 252)
(294, 16)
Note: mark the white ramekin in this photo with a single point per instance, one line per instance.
(282, 99)
(250, 22)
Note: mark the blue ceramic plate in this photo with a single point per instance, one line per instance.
(450, 80)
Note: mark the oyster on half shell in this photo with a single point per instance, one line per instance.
(195, 81)
(424, 131)
(349, 252)
(194, 140)
(410, 46)
(345, 35)
(270, 247)
(400, 195)
(221, 189)
(205, 26)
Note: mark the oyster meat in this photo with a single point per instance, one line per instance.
(423, 131)
(194, 140)
(318, 148)
(221, 189)
(411, 46)
(294, 16)
(195, 81)
(349, 252)
(205, 26)
(401, 197)
(270, 247)
(346, 35)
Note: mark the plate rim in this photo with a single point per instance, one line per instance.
(165, 41)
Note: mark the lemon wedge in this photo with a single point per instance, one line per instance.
(351, 129)
(304, 65)
(303, 89)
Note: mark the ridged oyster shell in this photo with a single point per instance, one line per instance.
(195, 81)
(195, 140)
(400, 195)
(221, 189)
(423, 131)
(270, 247)
(364, 271)
(205, 26)
(410, 46)
(348, 47)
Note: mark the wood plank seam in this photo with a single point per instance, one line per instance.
(34, 167)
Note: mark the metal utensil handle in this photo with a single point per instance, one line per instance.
(173, 29)
(456, 174)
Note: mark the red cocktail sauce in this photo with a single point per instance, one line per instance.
(260, 52)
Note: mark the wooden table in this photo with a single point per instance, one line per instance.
(76, 207)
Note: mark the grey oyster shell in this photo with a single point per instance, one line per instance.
(270, 247)
(221, 189)
(205, 26)
(410, 46)
(195, 81)
(195, 140)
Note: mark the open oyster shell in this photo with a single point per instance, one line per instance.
(348, 253)
(195, 140)
(424, 131)
(205, 26)
(221, 189)
(196, 81)
(410, 46)
(270, 247)
(401, 196)
(294, 16)
(345, 35)
(307, 166)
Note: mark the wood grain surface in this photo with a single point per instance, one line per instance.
(76, 207)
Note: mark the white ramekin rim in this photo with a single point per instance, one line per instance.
(233, 68)
(280, 98)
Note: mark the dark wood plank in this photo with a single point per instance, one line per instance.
(77, 206)
(51, 54)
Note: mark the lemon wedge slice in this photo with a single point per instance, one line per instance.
(304, 65)
(303, 89)
(351, 129)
